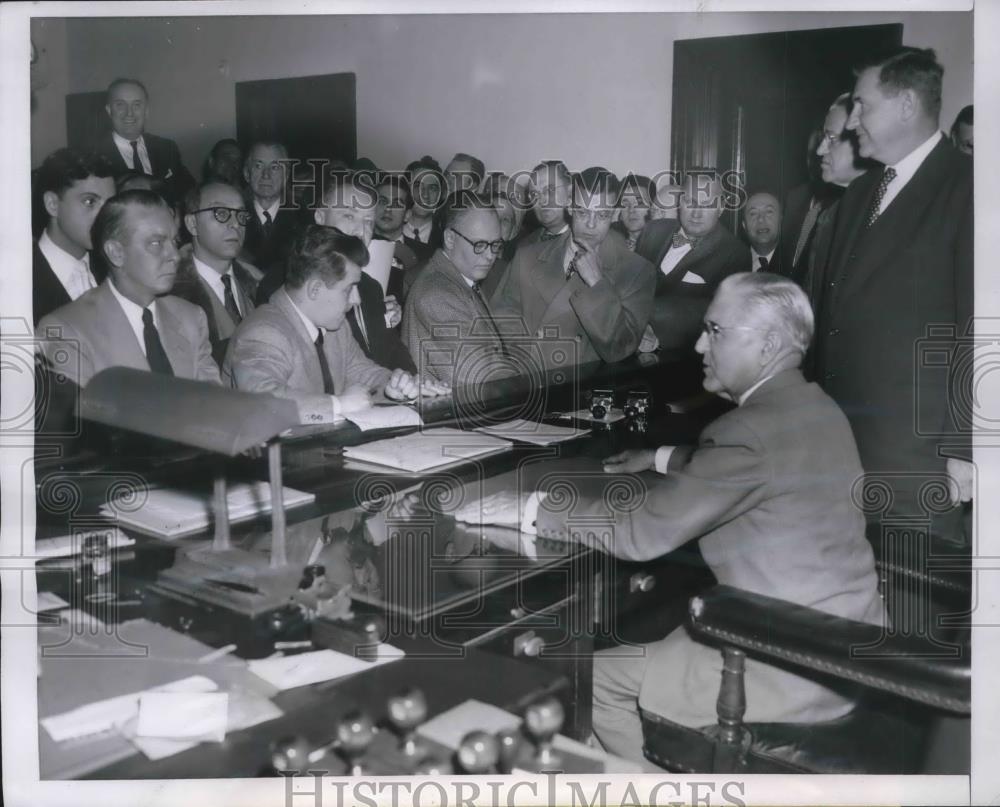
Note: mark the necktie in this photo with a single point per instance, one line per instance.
(680, 240)
(324, 367)
(268, 223)
(479, 293)
(136, 162)
(888, 175)
(807, 226)
(155, 354)
(631, 242)
(230, 299)
(762, 263)
(416, 235)
(571, 268)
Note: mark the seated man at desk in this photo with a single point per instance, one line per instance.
(582, 286)
(295, 345)
(767, 493)
(131, 319)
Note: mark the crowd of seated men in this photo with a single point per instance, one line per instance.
(807, 321)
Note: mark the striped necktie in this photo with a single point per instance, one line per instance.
(888, 175)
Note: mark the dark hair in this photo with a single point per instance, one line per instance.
(425, 163)
(336, 183)
(155, 184)
(67, 166)
(208, 168)
(964, 117)
(460, 204)
(846, 102)
(110, 222)
(397, 180)
(272, 144)
(595, 180)
(192, 199)
(476, 165)
(640, 183)
(323, 252)
(553, 165)
(914, 69)
(121, 82)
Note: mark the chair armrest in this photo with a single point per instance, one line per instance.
(854, 651)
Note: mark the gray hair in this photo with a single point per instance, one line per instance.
(777, 301)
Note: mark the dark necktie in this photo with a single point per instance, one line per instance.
(888, 175)
(571, 269)
(136, 162)
(324, 367)
(479, 293)
(416, 235)
(268, 224)
(155, 354)
(762, 263)
(680, 240)
(230, 299)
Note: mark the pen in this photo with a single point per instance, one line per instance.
(215, 655)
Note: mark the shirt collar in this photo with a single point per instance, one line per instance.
(273, 209)
(743, 398)
(311, 327)
(757, 255)
(133, 311)
(210, 275)
(59, 259)
(122, 143)
(908, 166)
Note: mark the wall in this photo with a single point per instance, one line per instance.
(512, 89)
(51, 84)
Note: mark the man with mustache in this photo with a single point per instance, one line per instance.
(131, 319)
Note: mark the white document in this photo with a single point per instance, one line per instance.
(527, 431)
(380, 254)
(427, 449)
(385, 417)
(288, 672)
(64, 546)
(197, 716)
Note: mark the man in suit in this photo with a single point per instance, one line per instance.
(448, 325)
(762, 224)
(901, 261)
(275, 222)
(393, 202)
(209, 275)
(637, 201)
(693, 253)
(422, 231)
(295, 345)
(582, 286)
(550, 189)
(350, 206)
(73, 187)
(131, 319)
(751, 493)
(130, 147)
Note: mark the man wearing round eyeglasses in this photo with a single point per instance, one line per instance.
(448, 324)
(767, 495)
(209, 275)
(583, 287)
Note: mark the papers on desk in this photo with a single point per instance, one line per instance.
(169, 513)
(385, 417)
(427, 450)
(288, 672)
(527, 431)
(64, 546)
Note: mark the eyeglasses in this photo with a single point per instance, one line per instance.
(222, 214)
(602, 215)
(831, 138)
(713, 330)
(479, 247)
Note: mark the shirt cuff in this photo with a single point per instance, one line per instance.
(336, 407)
(662, 458)
(531, 512)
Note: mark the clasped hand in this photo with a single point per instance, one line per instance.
(403, 386)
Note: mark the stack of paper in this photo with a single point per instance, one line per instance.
(431, 448)
(288, 672)
(385, 417)
(168, 513)
(67, 545)
(527, 431)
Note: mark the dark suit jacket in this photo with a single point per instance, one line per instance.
(793, 217)
(884, 287)
(189, 286)
(383, 345)
(767, 495)
(680, 306)
(268, 254)
(164, 160)
(423, 250)
(48, 293)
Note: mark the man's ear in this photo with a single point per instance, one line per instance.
(319, 216)
(107, 108)
(114, 251)
(312, 287)
(51, 202)
(191, 222)
(771, 346)
(908, 104)
(246, 173)
(448, 237)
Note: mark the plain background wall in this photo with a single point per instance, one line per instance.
(512, 89)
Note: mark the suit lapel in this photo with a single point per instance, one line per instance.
(549, 278)
(121, 338)
(311, 365)
(172, 336)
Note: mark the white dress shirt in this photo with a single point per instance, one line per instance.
(133, 313)
(313, 331)
(906, 168)
(272, 210)
(755, 263)
(674, 256)
(125, 149)
(73, 273)
(423, 232)
(214, 281)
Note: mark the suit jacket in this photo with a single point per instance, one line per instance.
(767, 494)
(421, 249)
(271, 352)
(268, 254)
(604, 321)
(382, 344)
(164, 160)
(92, 333)
(883, 288)
(191, 287)
(48, 293)
(447, 328)
(680, 306)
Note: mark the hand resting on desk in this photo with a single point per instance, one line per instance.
(632, 461)
(504, 509)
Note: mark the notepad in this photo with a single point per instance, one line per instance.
(169, 513)
(528, 431)
(288, 672)
(385, 417)
(426, 450)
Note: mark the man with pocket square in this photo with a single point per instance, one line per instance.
(693, 254)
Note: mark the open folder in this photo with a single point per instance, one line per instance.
(428, 449)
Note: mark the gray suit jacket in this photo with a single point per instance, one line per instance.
(604, 321)
(767, 493)
(92, 333)
(447, 328)
(271, 352)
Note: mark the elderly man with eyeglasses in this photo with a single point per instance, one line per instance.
(583, 294)
(767, 495)
(208, 274)
(448, 324)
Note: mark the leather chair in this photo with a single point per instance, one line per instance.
(906, 690)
